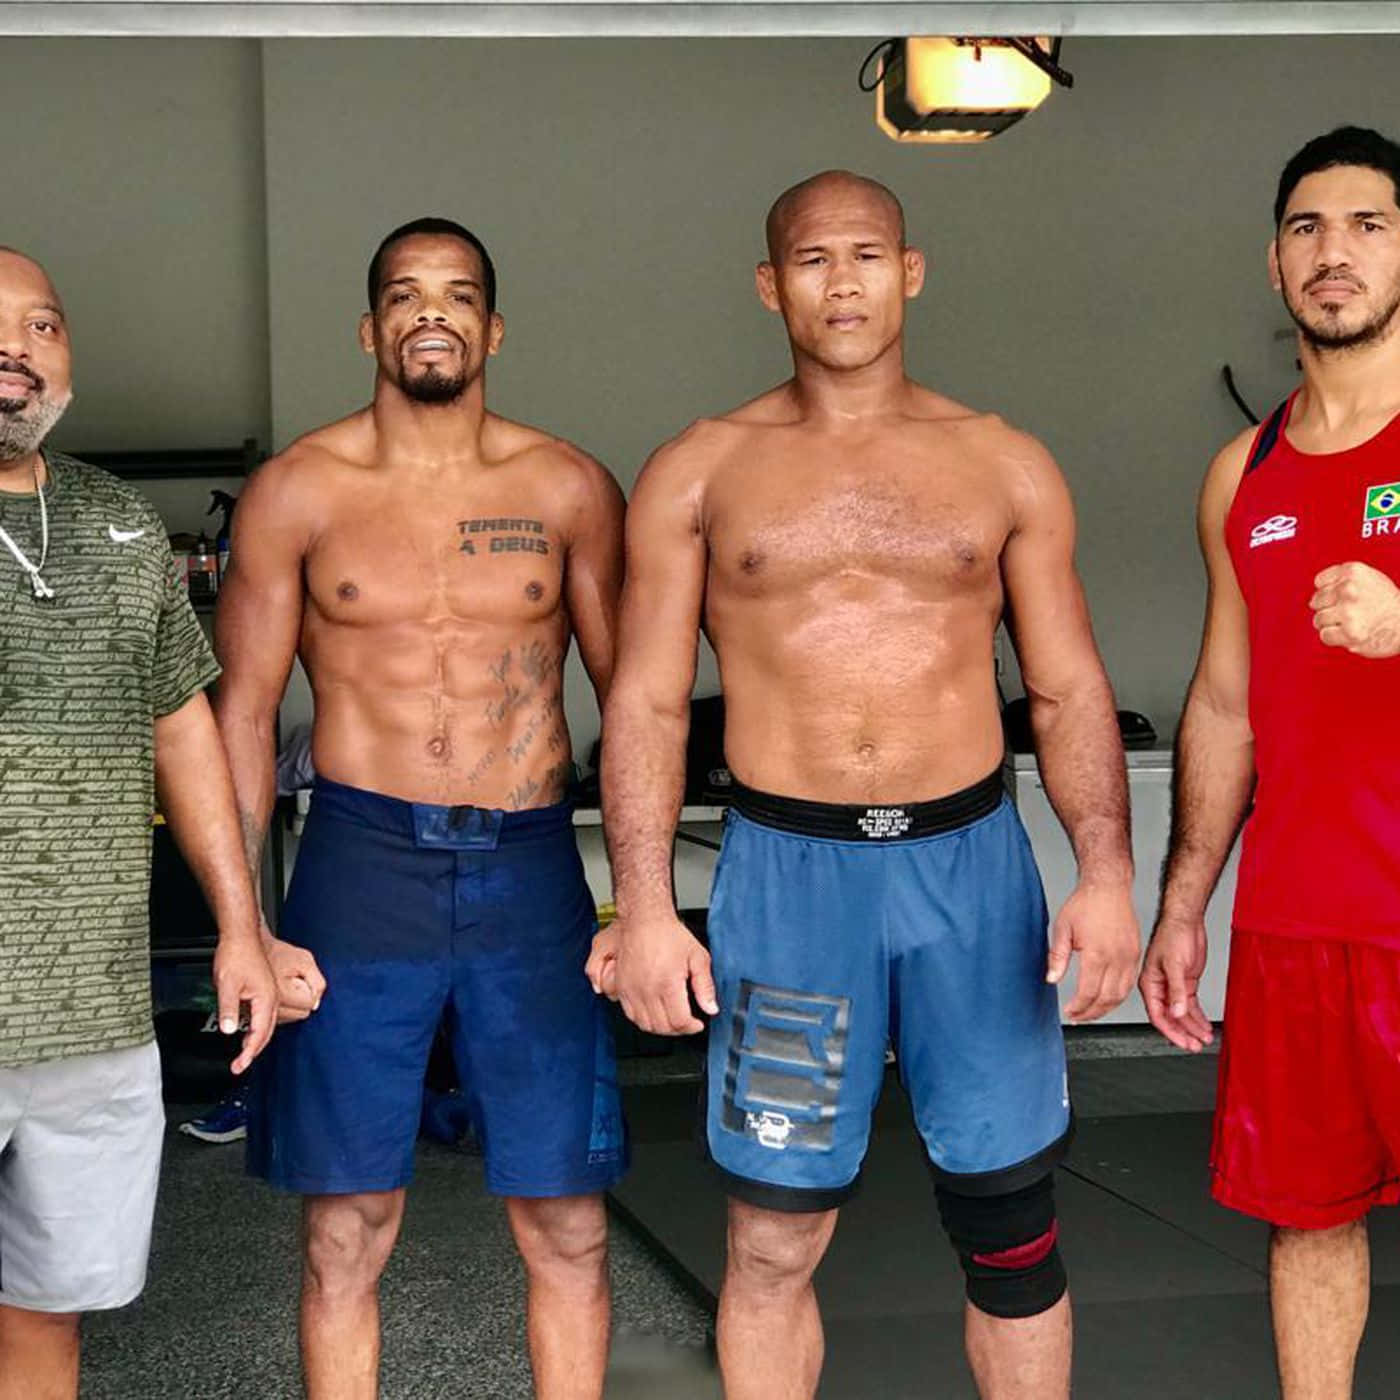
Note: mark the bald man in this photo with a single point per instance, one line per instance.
(103, 667)
(849, 542)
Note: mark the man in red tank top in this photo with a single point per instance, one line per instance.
(1291, 708)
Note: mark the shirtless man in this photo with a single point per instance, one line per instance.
(849, 541)
(429, 562)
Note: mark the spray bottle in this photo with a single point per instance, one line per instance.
(221, 500)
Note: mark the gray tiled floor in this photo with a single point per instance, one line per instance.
(1170, 1297)
(218, 1318)
(1169, 1288)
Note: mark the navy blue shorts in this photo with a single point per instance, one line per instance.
(827, 949)
(415, 912)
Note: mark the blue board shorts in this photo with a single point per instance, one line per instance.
(416, 912)
(836, 931)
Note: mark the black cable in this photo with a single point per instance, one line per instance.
(886, 48)
(1228, 375)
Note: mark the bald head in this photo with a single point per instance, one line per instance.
(829, 183)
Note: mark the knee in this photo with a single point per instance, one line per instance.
(347, 1241)
(1007, 1245)
(565, 1239)
(773, 1253)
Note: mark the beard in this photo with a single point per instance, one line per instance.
(1331, 335)
(25, 423)
(433, 386)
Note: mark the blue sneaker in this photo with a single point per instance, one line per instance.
(227, 1121)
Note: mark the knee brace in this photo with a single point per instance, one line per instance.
(1007, 1246)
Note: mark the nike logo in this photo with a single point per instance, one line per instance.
(123, 536)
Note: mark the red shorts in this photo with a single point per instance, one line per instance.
(1307, 1116)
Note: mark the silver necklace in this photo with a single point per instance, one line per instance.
(35, 571)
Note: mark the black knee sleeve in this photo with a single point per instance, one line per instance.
(1007, 1245)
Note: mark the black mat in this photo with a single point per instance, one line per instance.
(1169, 1288)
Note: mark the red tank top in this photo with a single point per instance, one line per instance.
(1321, 854)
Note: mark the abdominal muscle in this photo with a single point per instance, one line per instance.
(906, 715)
(447, 712)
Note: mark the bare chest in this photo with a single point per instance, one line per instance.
(929, 531)
(494, 560)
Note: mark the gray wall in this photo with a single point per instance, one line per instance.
(136, 177)
(1092, 269)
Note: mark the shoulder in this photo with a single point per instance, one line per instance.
(574, 475)
(677, 474)
(291, 482)
(1025, 466)
(1227, 466)
(99, 491)
(1222, 481)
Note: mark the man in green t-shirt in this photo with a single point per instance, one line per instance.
(102, 710)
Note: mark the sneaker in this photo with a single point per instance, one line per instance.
(227, 1121)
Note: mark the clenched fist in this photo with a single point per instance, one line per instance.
(1357, 607)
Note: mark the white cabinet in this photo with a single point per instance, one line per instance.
(1149, 789)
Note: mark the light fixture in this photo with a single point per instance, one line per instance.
(942, 88)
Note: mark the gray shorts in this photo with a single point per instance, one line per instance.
(80, 1142)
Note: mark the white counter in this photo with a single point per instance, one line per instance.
(1149, 793)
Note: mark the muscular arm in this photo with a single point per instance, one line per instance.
(1076, 736)
(644, 728)
(593, 574)
(255, 635)
(196, 798)
(1213, 776)
(1071, 703)
(648, 711)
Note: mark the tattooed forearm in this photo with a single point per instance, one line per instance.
(252, 849)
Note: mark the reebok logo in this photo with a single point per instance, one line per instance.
(1275, 528)
(123, 536)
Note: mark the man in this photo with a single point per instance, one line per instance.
(102, 675)
(848, 541)
(429, 561)
(1295, 689)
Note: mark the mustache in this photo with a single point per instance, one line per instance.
(1334, 274)
(442, 332)
(15, 367)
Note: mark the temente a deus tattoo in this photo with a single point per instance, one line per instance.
(502, 535)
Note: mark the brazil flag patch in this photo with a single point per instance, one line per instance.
(1383, 502)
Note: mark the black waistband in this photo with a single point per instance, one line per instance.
(841, 821)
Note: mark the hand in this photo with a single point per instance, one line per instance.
(1171, 974)
(300, 985)
(242, 976)
(1098, 923)
(1357, 607)
(659, 962)
(601, 968)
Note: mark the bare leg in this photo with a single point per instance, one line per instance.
(1020, 1358)
(38, 1355)
(1320, 1289)
(346, 1242)
(564, 1243)
(769, 1330)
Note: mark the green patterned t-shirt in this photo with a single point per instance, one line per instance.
(83, 676)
